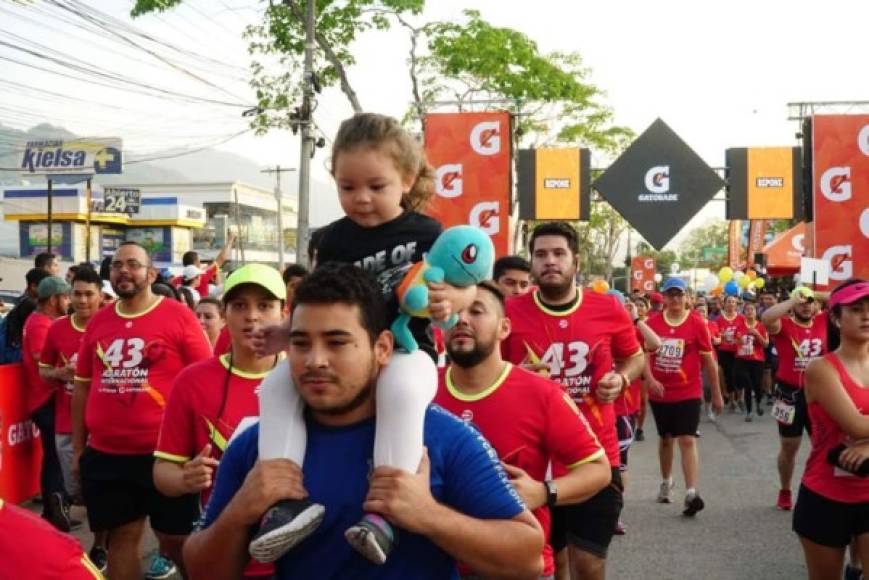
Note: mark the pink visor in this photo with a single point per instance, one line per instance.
(850, 294)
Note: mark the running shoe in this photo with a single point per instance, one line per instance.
(99, 558)
(852, 573)
(693, 504)
(161, 567)
(665, 492)
(784, 500)
(373, 537)
(711, 416)
(639, 435)
(620, 530)
(56, 512)
(759, 409)
(740, 405)
(284, 525)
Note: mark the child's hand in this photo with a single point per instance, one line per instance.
(444, 300)
(272, 339)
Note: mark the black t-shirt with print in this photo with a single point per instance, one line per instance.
(386, 252)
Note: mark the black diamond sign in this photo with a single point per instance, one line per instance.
(658, 184)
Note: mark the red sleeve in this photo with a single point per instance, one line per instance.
(36, 335)
(176, 441)
(205, 279)
(704, 344)
(713, 329)
(84, 364)
(763, 331)
(50, 353)
(224, 342)
(569, 439)
(625, 344)
(195, 345)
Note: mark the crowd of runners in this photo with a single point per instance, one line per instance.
(499, 448)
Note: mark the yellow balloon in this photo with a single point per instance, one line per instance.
(759, 283)
(751, 274)
(725, 274)
(600, 286)
(743, 282)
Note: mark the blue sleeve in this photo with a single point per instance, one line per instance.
(237, 461)
(475, 482)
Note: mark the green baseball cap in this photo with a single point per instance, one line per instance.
(52, 286)
(264, 276)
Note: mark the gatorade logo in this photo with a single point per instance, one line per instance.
(797, 243)
(658, 179)
(638, 275)
(836, 184)
(649, 264)
(841, 265)
(486, 138)
(864, 223)
(863, 140)
(448, 180)
(485, 215)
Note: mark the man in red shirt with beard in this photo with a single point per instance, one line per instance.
(129, 357)
(586, 342)
(527, 419)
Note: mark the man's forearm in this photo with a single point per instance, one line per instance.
(219, 551)
(492, 548)
(584, 481)
(710, 367)
(169, 478)
(631, 367)
(773, 314)
(651, 340)
(79, 401)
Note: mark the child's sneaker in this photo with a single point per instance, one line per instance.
(372, 537)
(284, 525)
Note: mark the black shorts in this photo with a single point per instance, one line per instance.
(119, 489)
(677, 419)
(727, 362)
(589, 525)
(749, 374)
(828, 522)
(626, 425)
(795, 396)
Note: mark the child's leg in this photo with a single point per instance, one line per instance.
(282, 435)
(405, 388)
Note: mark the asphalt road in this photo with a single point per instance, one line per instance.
(739, 536)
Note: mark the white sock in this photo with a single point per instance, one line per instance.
(405, 387)
(690, 492)
(282, 432)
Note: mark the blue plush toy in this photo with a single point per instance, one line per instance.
(461, 256)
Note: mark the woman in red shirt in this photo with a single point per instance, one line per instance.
(833, 503)
(751, 339)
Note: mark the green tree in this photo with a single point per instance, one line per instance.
(713, 234)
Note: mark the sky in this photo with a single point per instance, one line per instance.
(720, 74)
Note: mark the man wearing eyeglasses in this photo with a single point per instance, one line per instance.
(129, 356)
(799, 333)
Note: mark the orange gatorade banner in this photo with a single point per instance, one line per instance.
(735, 250)
(643, 274)
(840, 194)
(471, 154)
(554, 184)
(20, 446)
(756, 236)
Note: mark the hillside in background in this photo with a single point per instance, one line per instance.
(205, 165)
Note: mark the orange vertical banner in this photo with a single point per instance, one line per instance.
(840, 174)
(20, 446)
(734, 249)
(643, 274)
(756, 235)
(472, 156)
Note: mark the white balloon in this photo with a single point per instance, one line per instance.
(658, 277)
(710, 283)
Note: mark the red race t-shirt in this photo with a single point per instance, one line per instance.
(677, 363)
(223, 342)
(629, 399)
(194, 417)
(61, 349)
(727, 327)
(33, 341)
(543, 424)
(796, 345)
(750, 348)
(31, 548)
(131, 362)
(579, 345)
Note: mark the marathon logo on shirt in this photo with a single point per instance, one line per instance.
(126, 363)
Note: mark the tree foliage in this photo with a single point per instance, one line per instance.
(713, 234)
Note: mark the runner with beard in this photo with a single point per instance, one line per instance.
(586, 342)
(130, 354)
(481, 388)
(799, 333)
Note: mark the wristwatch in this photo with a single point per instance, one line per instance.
(551, 492)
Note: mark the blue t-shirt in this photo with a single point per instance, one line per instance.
(465, 475)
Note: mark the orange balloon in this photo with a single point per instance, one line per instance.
(716, 291)
(751, 275)
(600, 286)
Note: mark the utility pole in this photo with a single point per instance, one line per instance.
(308, 140)
(279, 197)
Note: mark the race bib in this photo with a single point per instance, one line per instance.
(729, 334)
(670, 354)
(746, 347)
(783, 413)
